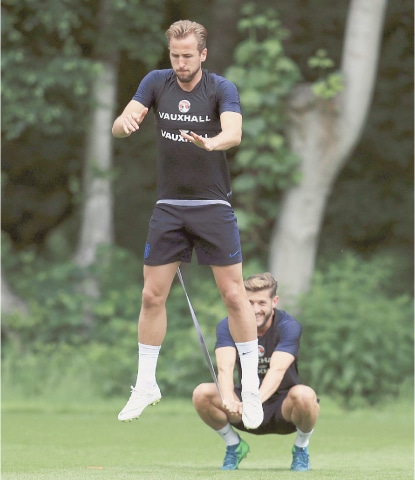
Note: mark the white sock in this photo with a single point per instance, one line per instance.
(229, 435)
(303, 439)
(147, 364)
(248, 354)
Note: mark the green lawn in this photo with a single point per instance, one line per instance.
(169, 442)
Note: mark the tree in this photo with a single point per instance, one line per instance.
(323, 133)
(97, 208)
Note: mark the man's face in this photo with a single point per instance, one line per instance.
(186, 60)
(263, 305)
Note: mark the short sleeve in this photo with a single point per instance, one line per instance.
(289, 333)
(145, 93)
(223, 335)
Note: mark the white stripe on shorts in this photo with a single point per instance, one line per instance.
(192, 203)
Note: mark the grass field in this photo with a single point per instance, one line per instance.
(169, 442)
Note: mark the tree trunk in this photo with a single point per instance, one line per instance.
(323, 134)
(97, 218)
(97, 213)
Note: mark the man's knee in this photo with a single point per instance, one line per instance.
(152, 299)
(303, 397)
(202, 394)
(233, 296)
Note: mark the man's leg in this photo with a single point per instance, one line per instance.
(241, 315)
(152, 322)
(242, 326)
(302, 409)
(208, 404)
(152, 325)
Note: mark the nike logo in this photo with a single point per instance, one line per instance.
(246, 353)
(231, 255)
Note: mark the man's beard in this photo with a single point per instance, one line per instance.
(267, 317)
(187, 77)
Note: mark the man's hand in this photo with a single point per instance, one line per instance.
(232, 406)
(230, 135)
(131, 123)
(201, 142)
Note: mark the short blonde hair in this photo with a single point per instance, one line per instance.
(183, 28)
(261, 281)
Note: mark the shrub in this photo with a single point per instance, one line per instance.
(357, 343)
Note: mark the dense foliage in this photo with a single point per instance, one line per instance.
(264, 166)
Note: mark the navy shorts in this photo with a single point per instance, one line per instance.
(273, 421)
(174, 231)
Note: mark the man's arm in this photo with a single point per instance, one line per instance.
(130, 119)
(279, 364)
(230, 136)
(225, 361)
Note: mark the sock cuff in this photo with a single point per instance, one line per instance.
(302, 439)
(246, 344)
(148, 349)
(224, 430)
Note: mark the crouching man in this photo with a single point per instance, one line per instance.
(288, 405)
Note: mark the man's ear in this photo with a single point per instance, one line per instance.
(275, 301)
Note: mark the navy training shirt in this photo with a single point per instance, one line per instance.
(187, 172)
(283, 336)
